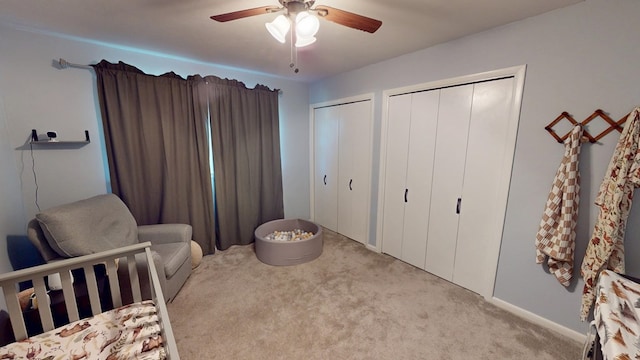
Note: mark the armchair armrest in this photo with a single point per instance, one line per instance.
(164, 233)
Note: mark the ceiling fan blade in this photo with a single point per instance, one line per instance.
(348, 19)
(244, 13)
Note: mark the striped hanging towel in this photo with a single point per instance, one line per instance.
(556, 236)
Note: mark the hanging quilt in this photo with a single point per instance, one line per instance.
(606, 247)
(617, 317)
(555, 240)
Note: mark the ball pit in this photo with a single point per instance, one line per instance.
(273, 248)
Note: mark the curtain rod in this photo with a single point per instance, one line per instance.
(64, 64)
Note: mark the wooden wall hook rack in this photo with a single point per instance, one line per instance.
(613, 125)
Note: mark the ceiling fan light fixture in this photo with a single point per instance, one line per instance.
(302, 42)
(307, 25)
(301, 15)
(279, 27)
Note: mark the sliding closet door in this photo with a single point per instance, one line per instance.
(326, 167)
(451, 150)
(481, 216)
(354, 170)
(422, 141)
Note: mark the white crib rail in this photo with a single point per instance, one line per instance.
(9, 283)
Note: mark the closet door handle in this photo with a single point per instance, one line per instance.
(406, 192)
(458, 205)
(350, 182)
(325, 180)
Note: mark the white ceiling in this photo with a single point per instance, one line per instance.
(183, 28)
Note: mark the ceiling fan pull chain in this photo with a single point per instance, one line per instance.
(291, 63)
(294, 50)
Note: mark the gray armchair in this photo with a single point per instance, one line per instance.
(104, 222)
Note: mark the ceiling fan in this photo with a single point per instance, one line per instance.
(300, 17)
(294, 7)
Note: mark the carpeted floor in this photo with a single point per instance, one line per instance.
(350, 303)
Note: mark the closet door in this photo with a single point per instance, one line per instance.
(411, 133)
(326, 167)
(422, 140)
(481, 217)
(450, 154)
(449, 149)
(354, 170)
(397, 155)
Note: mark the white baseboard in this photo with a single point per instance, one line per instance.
(527, 315)
(372, 248)
(539, 320)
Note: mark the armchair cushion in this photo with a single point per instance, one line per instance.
(88, 226)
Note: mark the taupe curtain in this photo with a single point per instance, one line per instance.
(157, 147)
(246, 156)
(158, 151)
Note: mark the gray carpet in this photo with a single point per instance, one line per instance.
(350, 303)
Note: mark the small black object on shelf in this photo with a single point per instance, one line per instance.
(53, 135)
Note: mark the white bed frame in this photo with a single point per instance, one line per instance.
(9, 283)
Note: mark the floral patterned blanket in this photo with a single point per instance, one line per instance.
(129, 332)
(617, 316)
